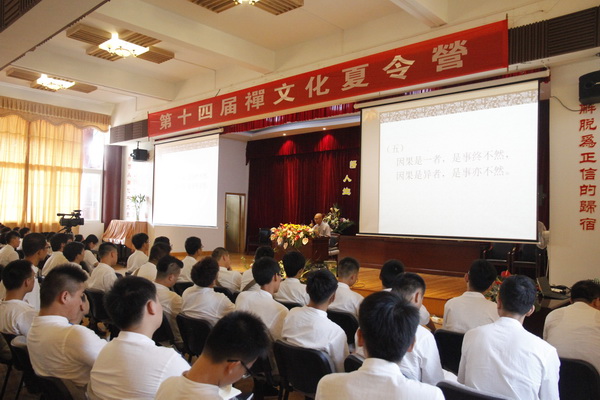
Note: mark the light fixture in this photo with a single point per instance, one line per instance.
(122, 48)
(54, 83)
(251, 2)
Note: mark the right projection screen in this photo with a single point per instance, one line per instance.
(460, 166)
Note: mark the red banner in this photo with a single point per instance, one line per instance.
(468, 52)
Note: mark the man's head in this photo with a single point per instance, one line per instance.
(318, 218)
(387, 326)
(90, 242)
(13, 239)
(411, 287)
(140, 241)
(132, 302)
(193, 245)
(59, 240)
(586, 291)
(162, 239)
(264, 251)
(321, 286)
(35, 246)
(62, 293)
(158, 251)
(205, 272)
(389, 271)
(107, 254)
(222, 256)
(266, 270)
(18, 274)
(517, 295)
(347, 270)
(293, 263)
(168, 270)
(481, 276)
(24, 232)
(74, 252)
(238, 339)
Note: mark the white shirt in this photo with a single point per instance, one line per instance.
(133, 367)
(57, 258)
(423, 363)
(231, 280)
(148, 271)
(246, 279)
(182, 388)
(376, 379)
(16, 317)
(322, 229)
(90, 258)
(504, 358)
(186, 271)
(205, 303)
(8, 254)
(310, 328)
(62, 350)
(103, 277)
(292, 291)
(136, 260)
(575, 332)
(469, 311)
(263, 305)
(171, 303)
(346, 300)
(33, 297)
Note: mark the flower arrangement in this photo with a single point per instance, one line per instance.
(335, 220)
(492, 294)
(137, 200)
(292, 234)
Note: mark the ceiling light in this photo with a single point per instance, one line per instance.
(122, 48)
(251, 2)
(54, 83)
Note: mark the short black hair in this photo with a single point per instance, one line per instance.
(320, 285)
(388, 324)
(293, 262)
(158, 251)
(347, 266)
(78, 238)
(72, 250)
(15, 273)
(237, 336)
(219, 252)
(407, 284)
(105, 249)
(33, 243)
(586, 290)
(264, 251)
(389, 271)
(62, 278)
(162, 239)
(24, 231)
(58, 239)
(192, 245)
(11, 235)
(264, 269)
(126, 300)
(91, 239)
(517, 293)
(205, 271)
(168, 265)
(481, 275)
(139, 239)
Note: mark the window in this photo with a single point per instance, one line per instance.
(91, 178)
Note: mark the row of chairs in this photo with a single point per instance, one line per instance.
(526, 259)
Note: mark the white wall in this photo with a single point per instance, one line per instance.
(574, 253)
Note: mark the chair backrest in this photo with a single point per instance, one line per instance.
(230, 295)
(346, 321)
(194, 333)
(353, 362)
(180, 287)
(450, 348)
(301, 368)
(53, 388)
(290, 305)
(164, 333)
(264, 236)
(97, 310)
(456, 391)
(500, 251)
(579, 380)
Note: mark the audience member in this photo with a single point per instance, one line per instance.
(78, 238)
(291, 289)
(503, 358)
(193, 248)
(89, 257)
(167, 272)
(9, 253)
(265, 271)
(58, 243)
(58, 345)
(575, 330)
(22, 233)
(472, 309)
(227, 278)
(345, 299)
(309, 326)
(248, 282)
(201, 301)
(73, 252)
(387, 325)
(232, 347)
(35, 248)
(141, 242)
(162, 239)
(390, 270)
(104, 276)
(158, 251)
(15, 314)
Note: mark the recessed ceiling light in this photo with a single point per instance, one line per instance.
(324, 129)
(284, 134)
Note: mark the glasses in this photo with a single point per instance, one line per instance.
(248, 373)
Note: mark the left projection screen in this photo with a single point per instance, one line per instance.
(185, 182)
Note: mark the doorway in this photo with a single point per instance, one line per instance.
(235, 222)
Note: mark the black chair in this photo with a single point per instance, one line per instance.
(164, 333)
(194, 333)
(22, 363)
(500, 255)
(98, 312)
(180, 287)
(290, 305)
(450, 348)
(346, 321)
(530, 260)
(456, 391)
(230, 295)
(353, 362)
(579, 380)
(300, 368)
(8, 362)
(54, 389)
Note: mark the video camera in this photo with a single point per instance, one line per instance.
(70, 220)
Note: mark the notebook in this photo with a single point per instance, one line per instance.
(547, 290)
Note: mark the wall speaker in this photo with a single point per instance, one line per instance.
(139, 155)
(589, 88)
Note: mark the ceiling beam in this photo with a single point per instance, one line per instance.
(430, 12)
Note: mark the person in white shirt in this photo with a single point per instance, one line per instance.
(141, 242)
(387, 325)
(90, 242)
(167, 272)
(58, 243)
(472, 309)
(266, 274)
(309, 326)
(248, 282)
(345, 299)
(291, 289)
(35, 249)
(423, 362)
(132, 366)
(58, 345)
(9, 253)
(232, 347)
(148, 270)
(16, 315)
(227, 278)
(73, 252)
(320, 227)
(575, 330)
(193, 248)
(201, 301)
(503, 358)
(22, 233)
(104, 276)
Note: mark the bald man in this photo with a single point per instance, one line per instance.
(321, 228)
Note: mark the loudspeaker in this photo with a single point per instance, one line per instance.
(589, 88)
(139, 155)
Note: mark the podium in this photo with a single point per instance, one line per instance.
(316, 250)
